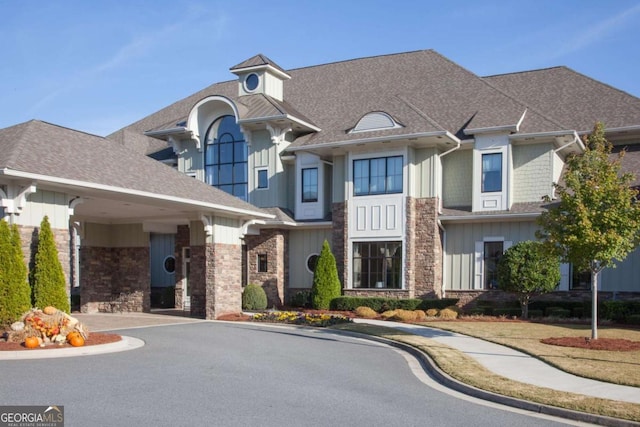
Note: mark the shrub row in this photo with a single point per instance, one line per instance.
(380, 304)
(620, 311)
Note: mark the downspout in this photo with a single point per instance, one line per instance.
(444, 258)
(576, 140)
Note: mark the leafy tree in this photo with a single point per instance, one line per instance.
(527, 270)
(326, 284)
(47, 277)
(597, 220)
(15, 293)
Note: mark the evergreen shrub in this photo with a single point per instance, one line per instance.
(254, 297)
(15, 292)
(48, 283)
(326, 283)
(301, 299)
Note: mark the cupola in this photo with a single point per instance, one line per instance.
(260, 75)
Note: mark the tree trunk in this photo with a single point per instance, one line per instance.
(594, 307)
(524, 305)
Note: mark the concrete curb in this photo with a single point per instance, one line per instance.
(125, 344)
(443, 378)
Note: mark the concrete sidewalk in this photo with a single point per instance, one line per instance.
(517, 366)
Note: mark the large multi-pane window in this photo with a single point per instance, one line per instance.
(580, 279)
(377, 265)
(226, 156)
(310, 185)
(492, 253)
(377, 176)
(491, 172)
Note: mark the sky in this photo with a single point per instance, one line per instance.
(97, 66)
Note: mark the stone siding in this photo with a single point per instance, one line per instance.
(197, 281)
(423, 266)
(274, 243)
(223, 280)
(114, 279)
(339, 245)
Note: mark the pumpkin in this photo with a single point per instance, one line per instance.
(31, 342)
(77, 340)
(49, 310)
(71, 335)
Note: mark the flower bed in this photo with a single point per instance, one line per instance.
(298, 318)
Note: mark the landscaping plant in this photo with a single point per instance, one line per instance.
(597, 219)
(326, 284)
(254, 297)
(47, 277)
(527, 270)
(15, 293)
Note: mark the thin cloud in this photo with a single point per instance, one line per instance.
(590, 34)
(124, 55)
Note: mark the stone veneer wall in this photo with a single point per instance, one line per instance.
(62, 238)
(215, 280)
(115, 279)
(182, 240)
(423, 275)
(223, 280)
(274, 243)
(339, 245)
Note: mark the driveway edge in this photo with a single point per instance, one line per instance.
(445, 379)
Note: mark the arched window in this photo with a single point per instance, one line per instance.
(226, 157)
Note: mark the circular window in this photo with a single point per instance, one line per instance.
(312, 261)
(169, 264)
(251, 82)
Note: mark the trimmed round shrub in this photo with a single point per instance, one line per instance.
(365, 312)
(254, 297)
(432, 312)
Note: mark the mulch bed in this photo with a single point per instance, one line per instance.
(610, 344)
(95, 338)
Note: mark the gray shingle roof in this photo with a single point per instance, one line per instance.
(571, 98)
(425, 92)
(256, 61)
(41, 148)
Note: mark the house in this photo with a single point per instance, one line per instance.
(418, 172)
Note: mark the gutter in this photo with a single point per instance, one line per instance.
(485, 217)
(138, 193)
(166, 132)
(445, 134)
(280, 117)
(444, 258)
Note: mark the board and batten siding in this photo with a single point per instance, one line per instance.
(422, 168)
(457, 179)
(532, 170)
(625, 277)
(50, 203)
(460, 247)
(226, 230)
(114, 235)
(264, 154)
(302, 244)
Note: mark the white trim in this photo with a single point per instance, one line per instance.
(258, 170)
(244, 82)
(262, 67)
(446, 134)
(139, 193)
(279, 117)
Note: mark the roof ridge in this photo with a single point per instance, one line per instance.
(363, 58)
(524, 71)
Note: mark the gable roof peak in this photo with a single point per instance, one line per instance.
(256, 61)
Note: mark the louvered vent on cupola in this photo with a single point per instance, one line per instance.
(376, 120)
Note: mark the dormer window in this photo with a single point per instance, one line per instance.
(251, 82)
(375, 121)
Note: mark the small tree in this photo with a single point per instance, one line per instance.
(528, 271)
(15, 293)
(326, 284)
(597, 221)
(47, 277)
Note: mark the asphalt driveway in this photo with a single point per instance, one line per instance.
(237, 374)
